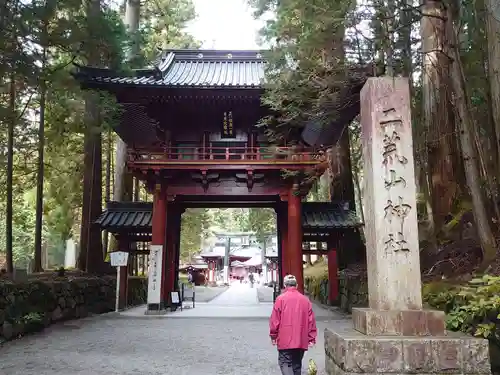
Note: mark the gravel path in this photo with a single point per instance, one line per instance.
(108, 345)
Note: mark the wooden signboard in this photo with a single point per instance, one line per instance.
(228, 126)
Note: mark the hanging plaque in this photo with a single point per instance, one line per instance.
(227, 125)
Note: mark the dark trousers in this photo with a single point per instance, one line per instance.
(290, 361)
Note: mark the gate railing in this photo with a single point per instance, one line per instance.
(217, 154)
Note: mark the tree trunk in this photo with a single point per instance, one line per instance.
(10, 170)
(389, 10)
(37, 265)
(123, 182)
(438, 116)
(107, 196)
(493, 35)
(357, 185)
(469, 151)
(342, 185)
(91, 257)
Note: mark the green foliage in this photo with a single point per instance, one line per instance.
(474, 308)
(306, 67)
(194, 227)
(262, 221)
(39, 41)
(162, 26)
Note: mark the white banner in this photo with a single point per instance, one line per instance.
(154, 273)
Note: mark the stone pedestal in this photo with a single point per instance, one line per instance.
(395, 335)
(351, 352)
(398, 322)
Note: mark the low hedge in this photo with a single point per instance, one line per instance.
(35, 304)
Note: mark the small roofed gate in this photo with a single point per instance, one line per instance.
(189, 124)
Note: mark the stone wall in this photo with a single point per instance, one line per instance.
(35, 304)
(353, 290)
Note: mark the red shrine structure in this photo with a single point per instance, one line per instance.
(189, 124)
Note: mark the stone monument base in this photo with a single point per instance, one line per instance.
(350, 352)
(373, 322)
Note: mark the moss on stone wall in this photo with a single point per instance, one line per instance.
(353, 291)
(35, 304)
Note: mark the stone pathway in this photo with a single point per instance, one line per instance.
(194, 341)
(265, 294)
(237, 295)
(208, 293)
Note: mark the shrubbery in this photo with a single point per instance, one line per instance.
(473, 308)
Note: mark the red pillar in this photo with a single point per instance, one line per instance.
(159, 226)
(285, 258)
(294, 251)
(172, 255)
(333, 279)
(169, 267)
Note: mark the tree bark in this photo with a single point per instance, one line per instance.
(469, 152)
(438, 114)
(493, 35)
(10, 171)
(91, 257)
(107, 196)
(37, 265)
(123, 182)
(342, 185)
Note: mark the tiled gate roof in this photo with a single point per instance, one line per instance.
(136, 217)
(189, 68)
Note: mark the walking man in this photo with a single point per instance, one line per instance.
(292, 327)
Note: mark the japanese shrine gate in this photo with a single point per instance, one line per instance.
(189, 124)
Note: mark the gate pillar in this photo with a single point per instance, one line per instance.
(294, 245)
(158, 251)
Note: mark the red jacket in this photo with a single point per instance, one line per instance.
(292, 321)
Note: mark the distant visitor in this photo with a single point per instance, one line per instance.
(292, 327)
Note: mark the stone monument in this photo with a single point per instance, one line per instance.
(395, 335)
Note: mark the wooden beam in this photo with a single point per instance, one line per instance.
(269, 191)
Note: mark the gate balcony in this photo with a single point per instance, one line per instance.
(272, 157)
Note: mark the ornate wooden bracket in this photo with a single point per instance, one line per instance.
(250, 180)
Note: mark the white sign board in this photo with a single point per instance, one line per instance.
(154, 273)
(175, 297)
(119, 258)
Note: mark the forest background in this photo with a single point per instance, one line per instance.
(57, 141)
